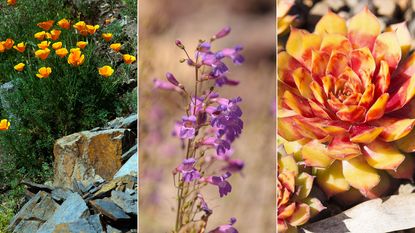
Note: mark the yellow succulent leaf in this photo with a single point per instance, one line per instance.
(315, 154)
(382, 155)
(360, 175)
(331, 179)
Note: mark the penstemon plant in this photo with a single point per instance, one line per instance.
(210, 125)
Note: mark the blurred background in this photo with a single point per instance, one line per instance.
(252, 200)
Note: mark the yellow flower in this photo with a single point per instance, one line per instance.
(81, 28)
(19, 67)
(75, 49)
(47, 25)
(64, 24)
(92, 29)
(11, 2)
(44, 44)
(40, 35)
(107, 36)
(116, 47)
(128, 59)
(4, 124)
(21, 47)
(105, 71)
(54, 34)
(8, 44)
(62, 52)
(44, 72)
(81, 44)
(76, 58)
(42, 53)
(57, 45)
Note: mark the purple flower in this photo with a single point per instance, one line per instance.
(224, 80)
(234, 165)
(170, 77)
(222, 33)
(227, 119)
(188, 127)
(233, 53)
(204, 47)
(228, 228)
(163, 85)
(220, 181)
(188, 171)
(204, 205)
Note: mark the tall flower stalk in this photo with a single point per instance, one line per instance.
(208, 128)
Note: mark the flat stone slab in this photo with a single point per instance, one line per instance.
(128, 203)
(110, 209)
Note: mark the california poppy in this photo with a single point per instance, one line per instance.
(19, 67)
(46, 25)
(44, 72)
(106, 71)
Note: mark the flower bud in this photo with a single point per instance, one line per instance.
(222, 33)
(170, 77)
(179, 44)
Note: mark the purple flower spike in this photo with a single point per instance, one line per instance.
(204, 47)
(170, 77)
(220, 181)
(222, 33)
(228, 228)
(188, 127)
(204, 205)
(188, 171)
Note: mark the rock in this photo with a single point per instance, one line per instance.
(71, 210)
(129, 122)
(61, 194)
(336, 5)
(80, 156)
(385, 7)
(129, 168)
(95, 222)
(107, 208)
(111, 229)
(35, 188)
(80, 226)
(319, 9)
(33, 214)
(125, 182)
(129, 153)
(128, 203)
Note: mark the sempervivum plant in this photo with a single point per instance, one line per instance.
(345, 98)
(295, 207)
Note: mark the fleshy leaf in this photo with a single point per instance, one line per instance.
(286, 66)
(315, 154)
(315, 205)
(300, 216)
(335, 42)
(407, 143)
(377, 110)
(395, 128)
(405, 170)
(363, 29)
(364, 134)
(288, 130)
(404, 36)
(331, 23)
(387, 48)
(382, 155)
(360, 175)
(287, 164)
(300, 44)
(304, 183)
(331, 179)
(342, 148)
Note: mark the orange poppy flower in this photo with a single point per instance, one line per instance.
(44, 44)
(128, 59)
(106, 71)
(2, 48)
(46, 25)
(62, 52)
(40, 35)
(57, 45)
(81, 28)
(64, 24)
(19, 67)
(116, 47)
(4, 124)
(42, 53)
(76, 58)
(11, 2)
(107, 36)
(81, 44)
(8, 44)
(54, 34)
(44, 72)
(21, 47)
(92, 29)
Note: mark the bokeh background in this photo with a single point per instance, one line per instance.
(252, 200)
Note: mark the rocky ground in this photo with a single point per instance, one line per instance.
(94, 187)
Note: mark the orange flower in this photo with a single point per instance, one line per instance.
(62, 52)
(76, 58)
(19, 67)
(42, 53)
(44, 44)
(81, 44)
(107, 36)
(44, 72)
(57, 45)
(2, 48)
(8, 44)
(106, 71)
(64, 24)
(40, 35)
(128, 59)
(46, 25)
(54, 34)
(11, 2)
(4, 124)
(21, 47)
(92, 29)
(116, 47)
(81, 28)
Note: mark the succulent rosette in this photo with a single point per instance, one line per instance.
(295, 207)
(345, 95)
